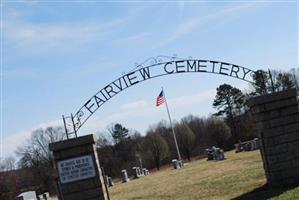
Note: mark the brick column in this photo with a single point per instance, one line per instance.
(276, 119)
(78, 169)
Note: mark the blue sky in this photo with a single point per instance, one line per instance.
(56, 55)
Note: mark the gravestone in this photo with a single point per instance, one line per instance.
(140, 171)
(79, 173)
(44, 196)
(176, 164)
(215, 153)
(136, 171)
(125, 177)
(106, 179)
(145, 171)
(30, 195)
(276, 119)
(181, 163)
(110, 182)
(250, 145)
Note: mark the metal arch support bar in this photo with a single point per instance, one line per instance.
(157, 67)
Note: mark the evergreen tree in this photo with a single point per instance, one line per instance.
(229, 102)
(262, 83)
(118, 133)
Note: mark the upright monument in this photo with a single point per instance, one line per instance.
(78, 168)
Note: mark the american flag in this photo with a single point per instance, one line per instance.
(160, 99)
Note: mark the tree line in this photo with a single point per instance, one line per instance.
(122, 148)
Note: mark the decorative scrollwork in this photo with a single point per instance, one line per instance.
(155, 60)
(166, 58)
(68, 124)
(77, 124)
(80, 114)
(150, 61)
(77, 119)
(174, 57)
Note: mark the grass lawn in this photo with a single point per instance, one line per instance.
(239, 177)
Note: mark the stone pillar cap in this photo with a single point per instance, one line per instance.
(276, 96)
(73, 142)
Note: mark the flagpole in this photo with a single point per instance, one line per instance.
(175, 141)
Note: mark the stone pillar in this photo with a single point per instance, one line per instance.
(276, 119)
(79, 173)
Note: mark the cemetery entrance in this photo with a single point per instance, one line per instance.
(276, 117)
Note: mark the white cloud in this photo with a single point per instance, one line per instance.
(182, 101)
(11, 143)
(135, 105)
(29, 36)
(188, 26)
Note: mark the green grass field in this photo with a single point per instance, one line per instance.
(240, 176)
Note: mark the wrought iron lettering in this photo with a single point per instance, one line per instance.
(156, 68)
(235, 70)
(202, 66)
(223, 70)
(165, 68)
(245, 72)
(191, 67)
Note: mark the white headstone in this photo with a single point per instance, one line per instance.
(30, 195)
(175, 163)
(125, 176)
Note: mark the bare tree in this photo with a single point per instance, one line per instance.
(103, 140)
(218, 131)
(186, 139)
(36, 154)
(36, 149)
(295, 76)
(7, 164)
(276, 80)
(156, 146)
(8, 187)
(198, 126)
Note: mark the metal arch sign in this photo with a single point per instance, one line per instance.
(152, 68)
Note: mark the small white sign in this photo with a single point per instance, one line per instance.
(75, 169)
